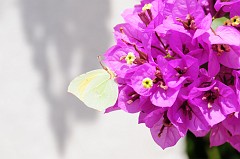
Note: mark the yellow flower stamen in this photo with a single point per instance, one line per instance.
(147, 6)
(235, 20)
(168, 56)
(147, 83)
(130, 58)
(228, 22)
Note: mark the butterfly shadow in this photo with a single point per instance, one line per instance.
(59, 33)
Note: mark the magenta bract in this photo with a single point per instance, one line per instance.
(178, 71)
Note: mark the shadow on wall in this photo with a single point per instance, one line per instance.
(69, 25)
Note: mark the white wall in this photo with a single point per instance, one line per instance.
(43, 45)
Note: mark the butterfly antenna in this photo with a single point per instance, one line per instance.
(112, 75)
(100, 61)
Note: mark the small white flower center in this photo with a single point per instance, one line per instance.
(130, 58)
(147, 6)
(147, 83)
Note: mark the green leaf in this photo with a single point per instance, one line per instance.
(213, 153)
(218, 22)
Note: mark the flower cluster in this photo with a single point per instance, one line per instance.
(177, 64)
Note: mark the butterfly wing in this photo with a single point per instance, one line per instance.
(101, 93)
(79, 84)
(96, 89)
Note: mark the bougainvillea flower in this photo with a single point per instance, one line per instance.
(215, 100)
(177, 64)
(129, 100)
(177, 71)
(232, 124)
(185, 114)
(120, 59)
(219, 135)
(142, 79)
(227, 131)
(225, 43)
(146, 109)
(203, 26)
(164, 133)
(235, 142)
(153, 117)
(237, 84)
(234, 11)
(127, 35)
(165, 95)
(226, 5)
(189, 13)
(142, 15)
